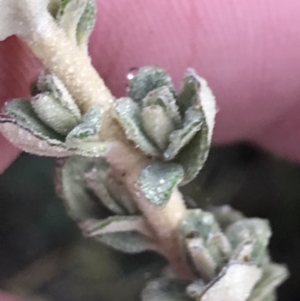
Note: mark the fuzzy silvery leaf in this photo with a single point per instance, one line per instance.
(256, 231)
(178, 139)
(273, 275)
(166, 289)
(128, 114)
(99, 181)
(77, 18)
(203, 242)
(95, 180)
(200, 258)
(189, 94)
(164, 97)
(197, 222)
(158, 125)
(84, 137)
(24, 129)
(196, 289)
(128, 242)
(53, 114)
(50, 84)
(119, 192)
(79, 202)
(146, 80)
(116, 224)
(157, 182)
(219, 248)
(86, 23)
(193, 156)
(234, 283)
(225, 215)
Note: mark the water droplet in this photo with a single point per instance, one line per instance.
(132, 73)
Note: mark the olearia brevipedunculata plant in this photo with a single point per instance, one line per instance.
(131, 155)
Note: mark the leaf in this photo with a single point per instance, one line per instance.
(158, 180)
(165, 289)
(119, 191)
(28, 142)
(79, 202)
(128, 242)
(225, 215)
(84, 137)
(273, 276)
(146, 80)
(128, 113)
(201, 259)
(196, 289)
(116, 224)
(96, 180)
(180, 138)
(234, 283)
(189, 94)
(50, 84)
(193, 156)
(158, 125)
(69, 16)
(164, 97)
(205, 246)
(254, 230)
(198, 223)
(86, 23)
(22, 128)
(52, 113)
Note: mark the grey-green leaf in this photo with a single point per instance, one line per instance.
(69, 16)
(253, 230)
(116, 224)
(225, 215)
(96, 180)
(198, 222)
(158, 125)
(86, 23)
(50, 84)
(235, 282)
(157, 182)
(146, 80)
(273, 276)
(165, 289)
(193, 156)
(189, 93)
(84, 137)
(200, 258)
(180, 138)
(79, 202)
(52, 113)
(25, 130)
(203, 242)
(128, 113)
(128, 242)
(164, 97)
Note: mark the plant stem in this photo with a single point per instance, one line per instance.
(69, 63)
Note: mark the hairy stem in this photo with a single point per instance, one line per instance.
(69, 63)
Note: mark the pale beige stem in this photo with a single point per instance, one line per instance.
(69, 63)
